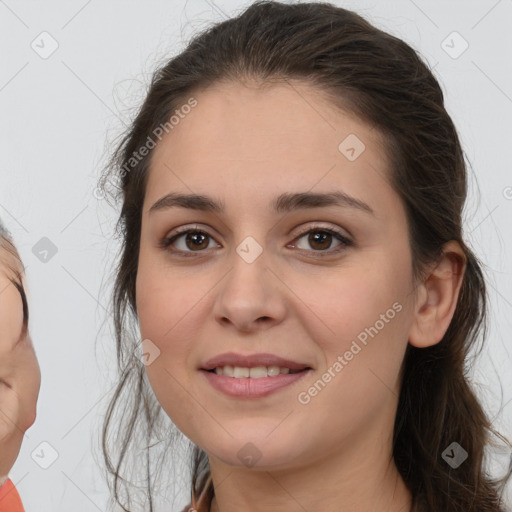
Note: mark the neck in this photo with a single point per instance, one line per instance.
(363, 478)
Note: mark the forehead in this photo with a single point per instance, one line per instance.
(246, 140)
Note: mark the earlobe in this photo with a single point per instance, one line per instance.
(437, 298)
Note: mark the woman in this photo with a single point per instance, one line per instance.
(293, 260)
(254, 116)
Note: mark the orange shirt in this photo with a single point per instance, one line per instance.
(9, 498)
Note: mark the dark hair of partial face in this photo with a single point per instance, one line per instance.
(384, 82)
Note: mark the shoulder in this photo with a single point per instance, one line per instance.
(10, 500)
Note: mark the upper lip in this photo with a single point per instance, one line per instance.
(251, 360)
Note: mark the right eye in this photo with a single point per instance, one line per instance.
(194, 239)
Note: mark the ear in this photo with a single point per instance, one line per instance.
(437, 298)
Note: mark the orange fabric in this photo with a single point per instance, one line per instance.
(10, 500)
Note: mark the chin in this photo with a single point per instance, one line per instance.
(258, 455)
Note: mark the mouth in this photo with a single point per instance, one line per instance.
(256, 372)
(238, 383)
(241, 365)
(250, 376)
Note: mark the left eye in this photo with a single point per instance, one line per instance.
(323, 236)
(195, 239)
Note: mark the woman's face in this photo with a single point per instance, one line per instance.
(255, 281)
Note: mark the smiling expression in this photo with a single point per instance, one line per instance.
(260, 172)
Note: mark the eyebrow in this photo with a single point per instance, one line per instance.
(286, 202)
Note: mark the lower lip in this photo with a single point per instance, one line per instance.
(252, 388)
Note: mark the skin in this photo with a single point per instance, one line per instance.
(20, 375)
(244, 145)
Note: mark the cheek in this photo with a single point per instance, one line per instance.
(360, 315)
(362, 338)
(348, 301)
(164, 299)
(165, 314)
(171, 314)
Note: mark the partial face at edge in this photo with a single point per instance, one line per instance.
(306, 297)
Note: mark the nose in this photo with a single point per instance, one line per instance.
(250, 296)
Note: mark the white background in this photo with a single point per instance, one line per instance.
(58, 113)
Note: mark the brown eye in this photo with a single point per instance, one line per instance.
(196, 240)
(190, 240)
(320, 240)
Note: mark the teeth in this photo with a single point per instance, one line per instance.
(240, 372)
(257, 372)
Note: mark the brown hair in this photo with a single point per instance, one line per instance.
(385, 82)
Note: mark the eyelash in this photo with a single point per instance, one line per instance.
(345, 242)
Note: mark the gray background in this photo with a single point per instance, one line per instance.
(58, 114)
